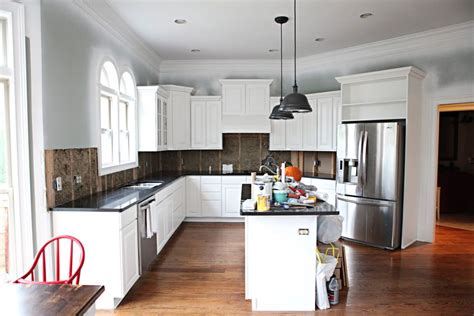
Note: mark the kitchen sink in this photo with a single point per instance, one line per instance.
(144, 185)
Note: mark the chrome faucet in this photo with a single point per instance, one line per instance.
(266, 167)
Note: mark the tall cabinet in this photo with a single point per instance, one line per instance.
(152, 118)
(314, 131)
(206, 122)
(179, 117)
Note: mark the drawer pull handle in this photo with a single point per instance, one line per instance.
(303, 231)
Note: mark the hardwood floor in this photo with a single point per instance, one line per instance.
(201, 272)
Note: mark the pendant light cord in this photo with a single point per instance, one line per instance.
(281, 62)
(295, 87)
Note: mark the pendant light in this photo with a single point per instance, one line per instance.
(276, 113)
(295, 102)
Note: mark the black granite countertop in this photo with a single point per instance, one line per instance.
(320, 208)
(118, 200)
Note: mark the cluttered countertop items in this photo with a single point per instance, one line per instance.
(283, 194)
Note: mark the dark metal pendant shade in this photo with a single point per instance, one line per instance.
(279, 115)
(295, 102)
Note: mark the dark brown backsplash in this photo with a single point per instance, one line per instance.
(244, 151)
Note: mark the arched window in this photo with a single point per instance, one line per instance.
(117, 120)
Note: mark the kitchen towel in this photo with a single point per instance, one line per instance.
(149, 231)
(154, 223)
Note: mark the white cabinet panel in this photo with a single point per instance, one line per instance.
(337, 107)
(214, 125)
(129, 252)
(294, 132)
(211, 208)
(180, 105)
(231, 200)
(325, 124)
(233, 96)
(193, 196)
(152, 118)
(278, 135)
(162, 218)
(257, 99)
(198, 124)
(310, 122)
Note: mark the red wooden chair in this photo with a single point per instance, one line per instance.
(56, 256)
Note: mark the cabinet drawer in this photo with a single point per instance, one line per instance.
(128, 216)
(210, 187)
(233, 179)
(210, 179)
(211, 196)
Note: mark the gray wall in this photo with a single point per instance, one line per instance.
(73, 48)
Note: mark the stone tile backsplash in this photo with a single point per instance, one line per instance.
(244, 151)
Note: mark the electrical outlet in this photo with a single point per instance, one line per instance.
(77, 179)
(58, 184)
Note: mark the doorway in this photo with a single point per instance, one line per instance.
(455, 205)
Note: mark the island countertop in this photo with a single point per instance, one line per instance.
(320, 208)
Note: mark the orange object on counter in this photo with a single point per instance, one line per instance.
(293, 172)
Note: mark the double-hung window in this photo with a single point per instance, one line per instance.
(118, 149)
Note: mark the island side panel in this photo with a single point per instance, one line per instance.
(281, 262)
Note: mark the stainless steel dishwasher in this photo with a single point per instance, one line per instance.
(147, 246)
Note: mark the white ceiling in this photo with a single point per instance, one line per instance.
(245, 29)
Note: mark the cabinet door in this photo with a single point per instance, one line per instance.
(164, 123)
(193, 196)
(198, 124)
(129, 254)
(257, 99)
(294, 132)
(233, 97)
(337, 120)
(211, 208)
(231, 200)
(325, 124)
(310, 126)
(181, 134)
(169, 219)
(277, 135)
(213, 125)
(162, 220)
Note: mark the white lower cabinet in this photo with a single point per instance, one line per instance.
(130, 265)
(110, 241)
(231, 192)
(324, 186)
(211, 194)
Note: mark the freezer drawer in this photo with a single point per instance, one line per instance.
(370, 221)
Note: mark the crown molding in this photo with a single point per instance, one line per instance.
(383, 74)
(102, 13)
(445, 36)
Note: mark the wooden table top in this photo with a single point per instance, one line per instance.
(66, 299)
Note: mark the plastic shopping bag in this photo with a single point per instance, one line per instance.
(329, 228)
(325, 267)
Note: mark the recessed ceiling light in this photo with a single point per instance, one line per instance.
(366, 15)
(180, 21)
(195, 50)
(319, 39)
(273, 50)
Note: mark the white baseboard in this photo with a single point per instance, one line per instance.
(214, 219)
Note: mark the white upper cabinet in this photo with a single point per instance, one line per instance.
(326, 124)
(206, 122)
(245, 105)
(278, 130)
(314, 131)
(179, 117)
(152, 118)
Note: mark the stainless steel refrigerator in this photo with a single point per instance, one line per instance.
(370, 166)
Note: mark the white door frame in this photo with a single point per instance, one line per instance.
(20, 161)
(430, 220)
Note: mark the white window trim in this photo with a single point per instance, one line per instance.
(117, 167)
(19, 141)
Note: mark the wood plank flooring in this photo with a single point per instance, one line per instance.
(201, 272)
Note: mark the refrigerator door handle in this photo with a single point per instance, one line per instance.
(359, 158)
(363, 201)
(363, 170)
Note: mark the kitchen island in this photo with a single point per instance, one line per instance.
(280, 258)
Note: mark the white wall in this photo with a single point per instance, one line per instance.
(446, 55)
(73, 47)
